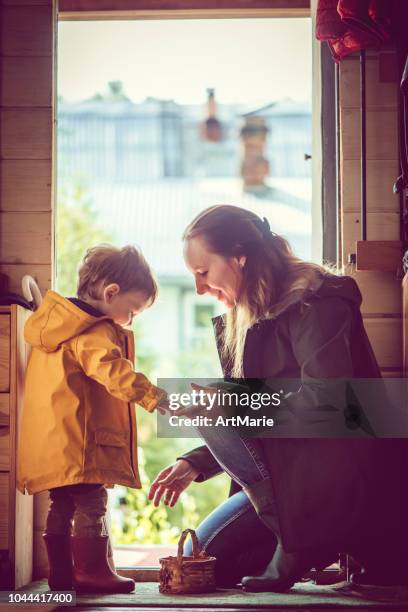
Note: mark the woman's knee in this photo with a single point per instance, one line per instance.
(237, 538)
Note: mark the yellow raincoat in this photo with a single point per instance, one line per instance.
(78, 423)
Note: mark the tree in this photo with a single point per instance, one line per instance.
(77, 231)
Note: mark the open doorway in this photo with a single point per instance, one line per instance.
(158, 120)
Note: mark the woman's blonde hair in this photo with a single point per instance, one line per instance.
(272, 274)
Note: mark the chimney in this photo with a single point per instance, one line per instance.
(211, 128)
(254, 166)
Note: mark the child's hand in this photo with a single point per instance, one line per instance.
(163, 406)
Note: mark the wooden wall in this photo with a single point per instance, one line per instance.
(26, 140)
(382, 298)
(26, 169)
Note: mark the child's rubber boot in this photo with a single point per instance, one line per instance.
(59, 561)
(92, 572)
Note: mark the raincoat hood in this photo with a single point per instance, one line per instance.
(56, 321)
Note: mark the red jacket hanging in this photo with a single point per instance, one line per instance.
(352, 25)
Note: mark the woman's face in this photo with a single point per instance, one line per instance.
(219, 276)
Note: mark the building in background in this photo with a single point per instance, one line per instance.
(111, 139)
(152, 161)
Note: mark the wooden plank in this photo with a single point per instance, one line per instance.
(381, 176)
(21, 506)
(24, 540)
(27, 2)
(172, 5)
(26, 134)
(385, 373)
(380, 226)
(4, 409)
(27, 30)
(5, 459)
(25, 185)
(23, 551)
(381, 92)
(385, 335)
(26, 237)
(405, 323)
(116, 15)
(381, 292)
(4, 353)
(382, 134)
(140, 574)
(4, 510)
(42, 274)
(383, 255)
(26, 81)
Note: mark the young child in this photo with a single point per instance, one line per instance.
(78, 431)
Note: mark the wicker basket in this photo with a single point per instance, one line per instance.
(179, 575)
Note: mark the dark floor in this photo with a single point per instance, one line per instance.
(303, 596)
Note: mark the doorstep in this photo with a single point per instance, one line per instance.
(143, 555)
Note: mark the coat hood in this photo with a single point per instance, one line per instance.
(332, 285)
(328, 285)
(56, 321)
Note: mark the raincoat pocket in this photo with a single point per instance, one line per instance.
(112, 449)
(108, 437)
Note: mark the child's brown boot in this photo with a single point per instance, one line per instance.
(92, 572)
(59, 561)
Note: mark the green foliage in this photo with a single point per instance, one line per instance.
(77, 230)
(161, 452)
(145, 524)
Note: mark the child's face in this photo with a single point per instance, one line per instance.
(122, 306)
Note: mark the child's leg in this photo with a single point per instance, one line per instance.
(90, 508)
(60, 513)
(57, 538)
(92, 571)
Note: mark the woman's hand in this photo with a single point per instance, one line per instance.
(172, 481)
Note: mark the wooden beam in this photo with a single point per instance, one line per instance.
(180, 9)
(379, 255)
(405, 323)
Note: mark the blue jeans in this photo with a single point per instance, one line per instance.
(241, 457)
(236, 536)
(233, 532)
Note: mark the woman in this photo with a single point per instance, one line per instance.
(295, 503)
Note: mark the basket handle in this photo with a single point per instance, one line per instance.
(181, 543)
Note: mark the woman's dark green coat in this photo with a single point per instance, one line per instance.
(349, 493)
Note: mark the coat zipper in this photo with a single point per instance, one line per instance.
(130, 419)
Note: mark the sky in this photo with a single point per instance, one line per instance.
(247, 61)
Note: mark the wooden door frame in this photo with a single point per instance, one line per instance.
(71, 10)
